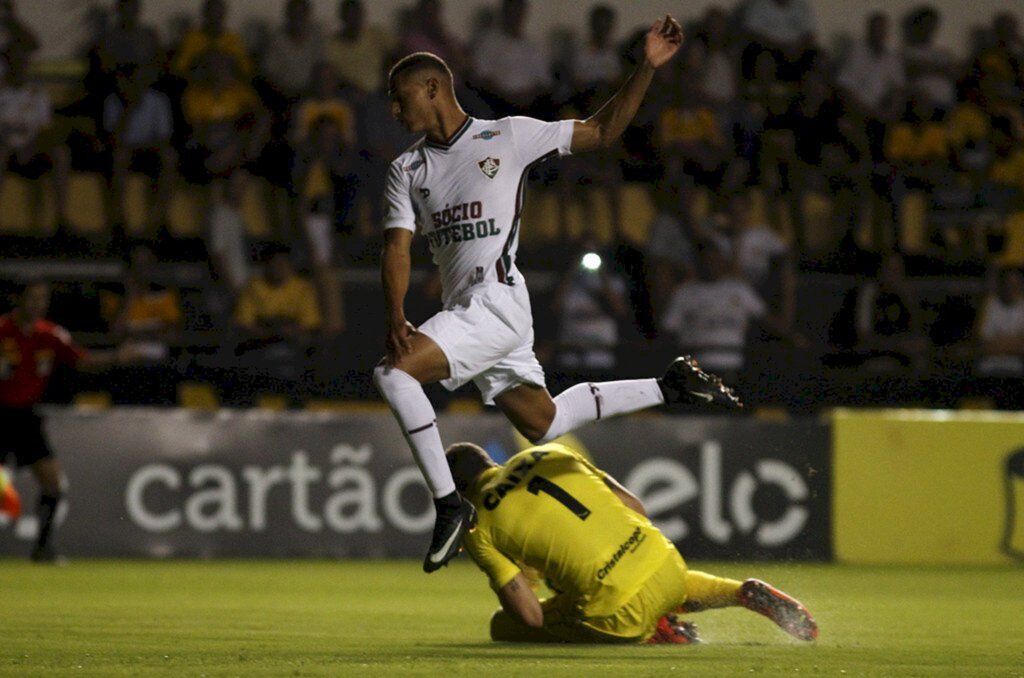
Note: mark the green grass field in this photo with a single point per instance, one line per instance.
(299, 618)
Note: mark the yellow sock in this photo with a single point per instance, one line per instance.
(705, 591)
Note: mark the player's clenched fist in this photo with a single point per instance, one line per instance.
(663, 40)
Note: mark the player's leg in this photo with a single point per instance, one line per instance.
(451, 347)
(26, 438)
(787, 612)
(685, 382)
(454, 346)
(401, 385)
(705, 592)
(47, 473)
(541, 418)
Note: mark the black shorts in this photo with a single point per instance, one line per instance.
(21, 435)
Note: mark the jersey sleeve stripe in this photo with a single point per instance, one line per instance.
(504, 263)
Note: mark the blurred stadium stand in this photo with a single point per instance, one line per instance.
(839, 206)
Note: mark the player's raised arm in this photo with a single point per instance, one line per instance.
(607, 125)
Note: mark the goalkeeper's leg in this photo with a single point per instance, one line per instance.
(705, 592)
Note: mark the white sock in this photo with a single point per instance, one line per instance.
(584, 403)
(416, 416)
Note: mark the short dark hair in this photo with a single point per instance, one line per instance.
(467, 461)
(416, 62)
(602, 11)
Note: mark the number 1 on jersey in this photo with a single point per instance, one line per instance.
(540, 484)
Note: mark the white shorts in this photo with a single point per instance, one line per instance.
(487, 336)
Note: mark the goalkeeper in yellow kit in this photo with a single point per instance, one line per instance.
(617, 578)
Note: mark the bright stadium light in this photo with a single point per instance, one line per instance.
(591, 261)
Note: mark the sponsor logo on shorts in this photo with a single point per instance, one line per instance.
(625, 548)
(490, 166)
(488, 134)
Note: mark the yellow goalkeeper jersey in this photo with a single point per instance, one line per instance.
(550, 509)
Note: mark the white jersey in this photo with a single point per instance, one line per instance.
(710, 320)
(1001, 321)
(466, 196)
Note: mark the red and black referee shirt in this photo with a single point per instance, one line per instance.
(27, 359)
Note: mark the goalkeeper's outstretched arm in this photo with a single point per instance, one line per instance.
(517, 598)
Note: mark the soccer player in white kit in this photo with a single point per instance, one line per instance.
(462, 186)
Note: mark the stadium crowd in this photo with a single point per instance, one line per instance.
(844, 220)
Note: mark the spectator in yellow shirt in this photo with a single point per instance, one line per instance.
(276, 318)
(324, 183)
(227, 120)
(1003, 187)
(279, 305)
(359, 51)
(968, 122)
(147, 318)
(148, 315)
(687, 132)
(918, 139)
(918, 145)
(323, 101)
(198, 43)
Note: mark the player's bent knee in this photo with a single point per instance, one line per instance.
(389, 379)
(550, 431)
(538, 428)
